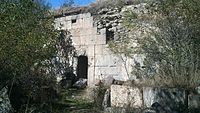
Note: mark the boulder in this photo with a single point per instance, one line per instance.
(169, 100)
(81, 83)
(98, 82)
(5, 106)
(126, 96)
(108, 81)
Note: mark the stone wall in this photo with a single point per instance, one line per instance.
(90, 42)
(90, 36)
(162, 100)
(111, 19)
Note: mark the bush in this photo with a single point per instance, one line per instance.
(99, 93)
(35, 89)
(169, 40)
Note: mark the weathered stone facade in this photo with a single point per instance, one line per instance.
(91, 43)
(90, 38)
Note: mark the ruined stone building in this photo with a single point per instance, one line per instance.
(94, 60)
(90, 36)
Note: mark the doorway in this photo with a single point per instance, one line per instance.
(82, 67)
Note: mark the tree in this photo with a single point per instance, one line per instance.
(27, 36)
(27, 39)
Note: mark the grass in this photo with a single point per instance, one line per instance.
(70, 104)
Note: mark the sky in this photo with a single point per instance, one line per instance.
(57, 3)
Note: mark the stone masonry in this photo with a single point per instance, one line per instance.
(90, 37)
(92, 43)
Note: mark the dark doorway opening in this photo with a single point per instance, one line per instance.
(82, 67)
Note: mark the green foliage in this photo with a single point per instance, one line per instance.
(175, 47)
(99, 93)
(169, 39)
(34, 92)
(65, 52)
(27, 35)
(27, 39)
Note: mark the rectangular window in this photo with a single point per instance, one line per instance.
(109, 35)
(73, 21)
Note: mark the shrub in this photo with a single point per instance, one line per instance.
(169, 40)
(34, 90)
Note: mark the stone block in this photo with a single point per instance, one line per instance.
(76, 41)
(126, 96)
(107, 51)
(103, 50)
(75, 32)
(100, 39)
(105, 60)
(104, 72)
(91, 77)
(169, 99)
(90, 50)
(89, 39)
(88, 31)
(88, 22)
(108, 81)
(98, 49)
(84, 40)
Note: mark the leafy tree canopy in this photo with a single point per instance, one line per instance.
(27, 35)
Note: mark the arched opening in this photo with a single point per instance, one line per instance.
(82, 67)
